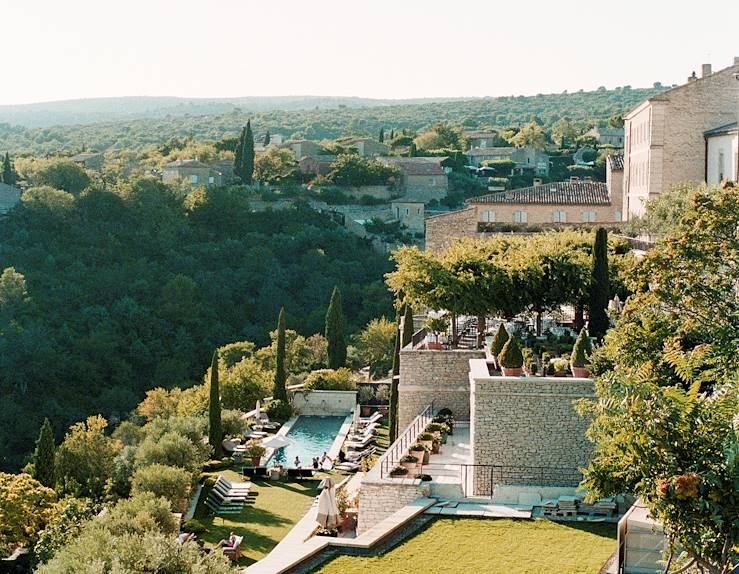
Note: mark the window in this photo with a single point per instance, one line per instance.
(193, 179)
(559, 217)
(211, 179)
(487, 216)
(520, 217)
(433, 182)
(397, 211)
(483, 143)
(407, 212)
(418, 211)
(588, 216)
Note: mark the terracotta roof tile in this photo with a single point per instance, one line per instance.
(557, 193)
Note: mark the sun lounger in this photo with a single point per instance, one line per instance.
(375, 418)
(233, 486)
(358, 444)
(347, 466)
(254, 471)
(300, 473)
(355, 456)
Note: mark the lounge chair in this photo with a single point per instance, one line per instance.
(375, 418)
(233, 486)
(254, 471)
(300, 473)
(357, 455)
(359, 444)
(347, 466)
(233, 552)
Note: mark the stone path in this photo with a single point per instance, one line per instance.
(445, 467)
(485, 510)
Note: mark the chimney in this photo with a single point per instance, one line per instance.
(692, 78)
(706, 70)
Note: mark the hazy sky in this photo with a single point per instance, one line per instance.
(59, 49)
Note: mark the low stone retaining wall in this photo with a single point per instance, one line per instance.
(324, 403)
(382, 497)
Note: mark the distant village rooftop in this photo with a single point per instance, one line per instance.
(417, 165)
(187, 163)
(616, 162)
(557, 193)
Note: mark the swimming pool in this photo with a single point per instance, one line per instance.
(310, 436)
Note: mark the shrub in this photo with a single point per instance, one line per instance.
(416, 446)
(445, 412)
(215, 465)
(499, 340)
(232, 423)
(279, 411)
(383, 393)
(582, 350)
(424, 477)
(425, 436)
(171, 449)
(366, 394)
(253, 448)
(434, 427)
(511, 356)
(193, 526)
(409, 458)
(529, 360)
(399, 471)
(558, 366)
(330, 380)
(164, 481)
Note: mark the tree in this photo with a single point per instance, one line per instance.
(215, 432)
(239, 155)
(663, 214)
(335, 331)
(8, 175)
(381, 137)
(354, 170)
(412, 150)
(59, 173)
(598, 321)
(43, 456)
(279, 390)
(532, 134)
(13, 292)
(408, 328)
(331, 380)
(26, 506)
(266, 141)
(275, 166)
(617, 121)
(393, 409)
(164, 481)
(376, 343)
(247, 155)
(170, 449)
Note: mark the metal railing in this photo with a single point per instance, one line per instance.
(395, 451)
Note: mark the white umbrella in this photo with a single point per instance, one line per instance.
(277, 441)
(258, 409)
(356, 422)
(328, 510)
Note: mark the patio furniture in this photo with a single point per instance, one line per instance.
(375, 418)
(233, 552)
(347, 466)
(254, 471)
(359, 444)
(355, 456)
(300, 473)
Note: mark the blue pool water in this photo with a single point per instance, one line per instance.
(310, 436)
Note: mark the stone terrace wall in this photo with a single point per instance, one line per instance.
(528, 422)
(442, 229)
(439, 376)
(325, 403)
(381, 498)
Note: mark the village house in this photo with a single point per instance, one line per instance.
(608, 135)
(193, 171)
(526, 158)
(10, 196)
(91, 160)
(316, 165)
(409, 212)
(302, 148)
(665, 136)
(424, 178)
(366, 147)
(722, 155)
(547, 205)
(481, 139)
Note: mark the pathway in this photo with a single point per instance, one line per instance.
(445, 468)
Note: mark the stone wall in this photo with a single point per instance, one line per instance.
(439, 376)
(441, 229)
(528, 426)
(380, 498)
(326, 403)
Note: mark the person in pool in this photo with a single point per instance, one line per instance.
(325, 458)
(316, 464)
(297, 462)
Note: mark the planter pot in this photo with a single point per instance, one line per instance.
(411, 466)
(512, 371)
(443, 438)
(419, 454)
(399, 475)
(560, 374)
(427, 443)
(426, 455)
(366, 411)
(580, 372)
(255, 460)
(434, 346)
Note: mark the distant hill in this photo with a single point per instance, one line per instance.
(96, 110)
(146, 121)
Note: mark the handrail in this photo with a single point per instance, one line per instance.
(396, 450)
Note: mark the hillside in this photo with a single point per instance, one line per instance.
(326, 118)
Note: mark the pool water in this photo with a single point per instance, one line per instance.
(310, 436)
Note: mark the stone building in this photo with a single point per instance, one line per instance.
(409, 212)
(608, 136)
(10, 196)
(481, 139)
(546, 205)
(423, 178)
(526, 158)
(664, 136)
(91, 160)
(366, 147)
(192, 171)
(317, 165)
(302, 148)
(722, 155)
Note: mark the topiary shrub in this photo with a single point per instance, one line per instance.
(279, 411)
(330, 380)
(582, 350)
(511, 356)
(399, 471)
(499, 340)
(445, 412)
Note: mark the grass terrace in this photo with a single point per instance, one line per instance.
(449, 545)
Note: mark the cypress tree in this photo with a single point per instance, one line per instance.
(239, 154)
(392, 134)
(266, 139)
(412, 151)
(407, 326)
(215, 429)
(335, 332)
(599, 289)
(8, 175)
(393, 411)
(43, 456)
(381, 137)
(247, 157)
(280, 389)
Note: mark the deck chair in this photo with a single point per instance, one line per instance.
(234, 552)
(359, 444)
(375, 418)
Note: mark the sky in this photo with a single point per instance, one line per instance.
(54, 50)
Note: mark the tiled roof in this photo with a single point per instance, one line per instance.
(480, 134)
(417, 165)
(491, 151)
(557, 193)
(722, 130)
(187, 163)
(617, 162)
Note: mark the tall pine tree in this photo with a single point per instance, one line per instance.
(44, 455)
(407, 326)
(266, 139)
(8, 174)
(381, 137)
(336, 332)
(280, 386)
(599, 288)
(239, 154)
(215, 428)
(393, 411)
(247, 155)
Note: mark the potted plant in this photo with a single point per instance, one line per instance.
(419, 451)
(447, 421)
(581, 355)
(409, 461)
(399, 472)
(436, 325)
(365, 394)
(511, 358)
(559, 367)
(426, 439)
(436, 446)
(424, 477)
(529, 361)
(546, 366)
(499, 340)
(255, 451)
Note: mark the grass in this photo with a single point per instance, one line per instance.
(276, 508)
(449, 545)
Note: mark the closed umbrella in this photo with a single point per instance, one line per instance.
(258, 409)
(328, 510)
(276, 441)
(356, 422)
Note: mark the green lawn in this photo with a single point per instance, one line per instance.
(449, 545)
(276, 508)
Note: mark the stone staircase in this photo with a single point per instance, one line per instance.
(445, 468)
